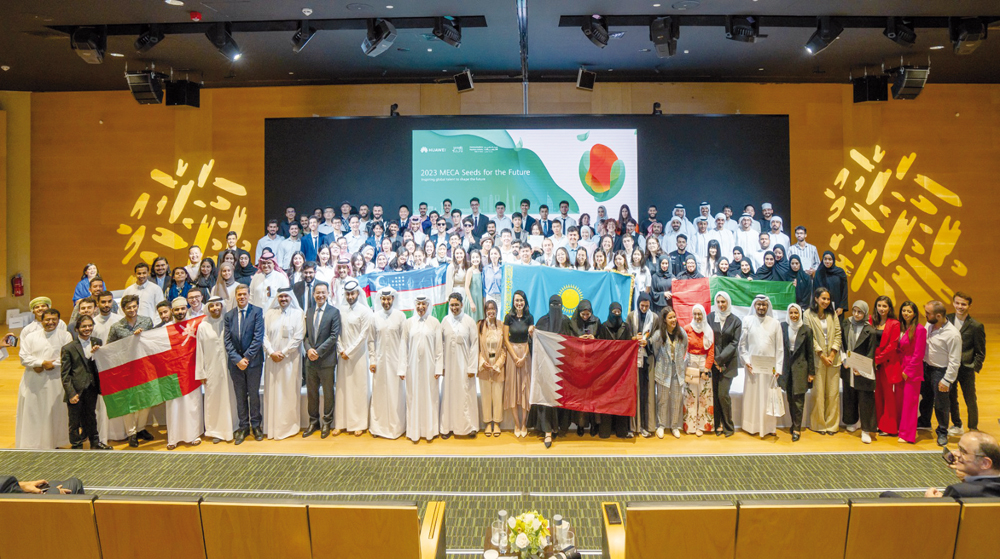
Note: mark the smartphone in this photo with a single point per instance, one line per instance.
(11, 340)
(947, 456)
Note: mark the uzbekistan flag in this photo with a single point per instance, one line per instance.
(541, 282)
(597, 376)
(139, 372)
(430, 282)
(688, 293)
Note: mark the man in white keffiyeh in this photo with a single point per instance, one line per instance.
(762, 351)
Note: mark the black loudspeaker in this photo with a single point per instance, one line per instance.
(909, 82)
(146, 87)
(586, 80)
(183, 92)
(463, 81)
(871, 88)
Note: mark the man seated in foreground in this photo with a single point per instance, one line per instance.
(9, 484)
(977, 463)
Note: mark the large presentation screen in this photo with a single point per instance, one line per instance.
(586, 168)
(586, 160)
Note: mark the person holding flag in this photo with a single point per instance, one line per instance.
(615, 328)
(762, 350)
(185, 416)
(541, 417)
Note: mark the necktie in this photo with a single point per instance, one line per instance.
(316, 318)
(546, 224)
(564, 226)
(243, 319)
(311, 301)
(475, 222)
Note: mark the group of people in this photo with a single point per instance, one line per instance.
(294, 313)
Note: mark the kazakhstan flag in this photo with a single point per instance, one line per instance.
(542, 282)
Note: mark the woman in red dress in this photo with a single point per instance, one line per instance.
(888, 368)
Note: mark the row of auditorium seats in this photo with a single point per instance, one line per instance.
(148, 527)
(793, 529)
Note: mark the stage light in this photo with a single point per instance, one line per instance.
(909, 81)
(90, 43)
(302, 36)
(381, 34)
(745, 29)
(664, 33)
(146, 86)
(449, 30)
(149, 38)
(585, 80)
(222, 37)
(596, 29)
(899, 30)
(463, 81)
(393, 109)
(826, 33)
(966, 34)
(656, 108)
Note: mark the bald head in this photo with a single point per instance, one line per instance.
(980, 454)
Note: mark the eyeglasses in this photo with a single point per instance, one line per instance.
(468, 226)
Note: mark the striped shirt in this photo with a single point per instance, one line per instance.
(808, 256)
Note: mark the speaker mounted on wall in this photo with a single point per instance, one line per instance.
(871, 88)
(146, 86)
(183, 92)
(909, 81)
(585, 80)
(463, 81)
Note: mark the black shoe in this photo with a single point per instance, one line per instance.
(324, 431)
(216, 440)
(729, 433)
(239, 436)
(579, 431)
(133, 441)
(795, 437)
(942, 440)
(145, 435)
(548, 442)
(76, 446)
(473, 435)
(310, 430)
(718, 433)
(98, 445)
(258, 434)
(446, 436)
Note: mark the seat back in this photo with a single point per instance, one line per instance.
(977, 528)
(793, 528)
(931, 527)
(127, 525)
(48, 527)
(432, 532)
(255, 528)
(364, 529)
(670, 529)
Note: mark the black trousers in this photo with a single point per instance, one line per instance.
(967, 382)
(319, 377)
(617, 424)
(644, 397)
(858, 405)
(796, 405)
(83, 418)
(723, 403)
(933, 400)
(246, 384)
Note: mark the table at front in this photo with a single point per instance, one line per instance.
(549, 551)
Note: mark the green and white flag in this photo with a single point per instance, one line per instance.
(688, 293)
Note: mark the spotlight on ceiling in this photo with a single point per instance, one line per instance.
(826, 33)
(381, 34)
(90, 43)
(463, 81)
(146, 86)
(221, 36)
(302, 36)
(449, 30)
(664, 33)
(596, 29)
(901, 31)
(393, 109)
(966, 34)
(745, 29)
(656, 108)
(148, 38)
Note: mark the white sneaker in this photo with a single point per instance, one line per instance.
(852, 428)
(659, 432)
(866, 438)
(955, 431)
(699, 433)
(676, 433)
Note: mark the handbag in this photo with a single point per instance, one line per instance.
(692, 375)
(775, 399)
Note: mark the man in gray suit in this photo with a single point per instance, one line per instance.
(322, 331)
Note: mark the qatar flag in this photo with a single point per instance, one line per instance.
(596, 376)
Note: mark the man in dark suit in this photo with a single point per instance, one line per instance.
(72, 486)
(244, 340)
(973, 355)
(543, 221)
(526, 220)
(81, 383)
(978, 462)
(303, 289)
(322, 332)
(479, 221)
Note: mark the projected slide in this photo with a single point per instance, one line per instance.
(587, 168)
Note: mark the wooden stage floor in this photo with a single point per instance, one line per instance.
(988, 390)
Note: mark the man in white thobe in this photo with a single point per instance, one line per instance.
(388, 407)
(38, 306)
(763, 352)
(698, 243)
(746, 236)
(724, 236)
(424, 366)
(284, 329)
(212, 371)
(185, 415)
(356, 346)
(42, 415)
(460, 339)
(778, 236)
(686, 226)
(266, 282)
(674, 228)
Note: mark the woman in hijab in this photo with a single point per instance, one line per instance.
(802, 281)
(726, 330)
(746, 270)
(690, 270)
(699, 415)
(736, 263)
(546, 418)
(584, 325)
(799, 367)
(244, 269)
(723, 267)
(615, 328)
(782, 269)
(767, 272)
(859, 389)
(834, 279)
(670, 357)
(659, 287)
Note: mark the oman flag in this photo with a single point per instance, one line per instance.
(141, 371)
(688, 293)
(597, 376)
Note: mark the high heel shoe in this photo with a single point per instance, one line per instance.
(548, 441)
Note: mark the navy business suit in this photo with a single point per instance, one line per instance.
(320, 373)
(249, 345)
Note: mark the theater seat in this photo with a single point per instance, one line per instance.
(977, 528)
(365, 529)
(897, 527)
(792, 529)
(48, 527)
(127, 525)
(702, 529)
(255, 528)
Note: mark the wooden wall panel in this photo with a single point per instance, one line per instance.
(84, 169)
(3, 200)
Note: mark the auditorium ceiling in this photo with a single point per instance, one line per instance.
(35, 53)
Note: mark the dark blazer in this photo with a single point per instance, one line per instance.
(323, 340)
(480, 228)
(973, 343)
(299, 289)
(545, 223)
(865, 345)
(799, 364)
(78, 372)
(527, 221)
(727, 344)
(250, 344)
(979, 487)
(307, 248)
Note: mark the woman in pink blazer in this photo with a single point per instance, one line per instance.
(912, 345)
(888, 368)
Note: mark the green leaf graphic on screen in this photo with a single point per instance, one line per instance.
(519, 145)
(583, 137)
(601, 172)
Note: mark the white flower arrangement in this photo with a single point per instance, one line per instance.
(529, 533)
